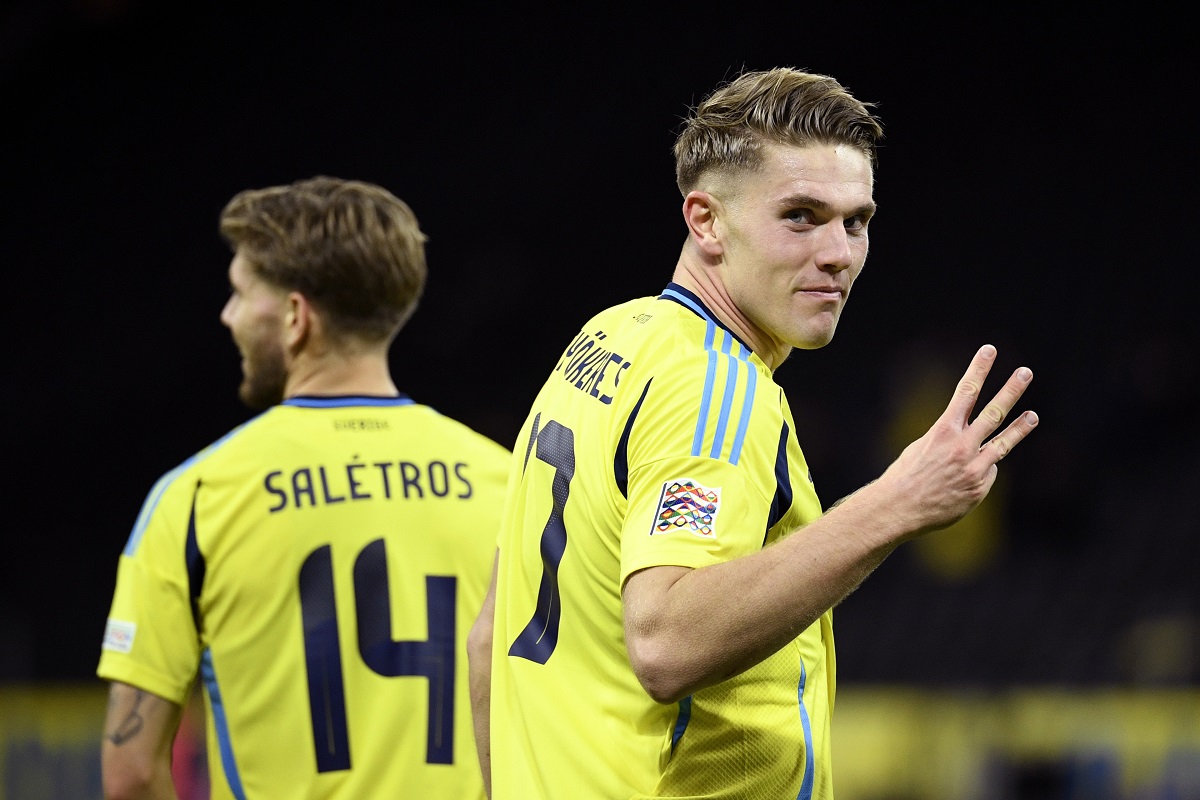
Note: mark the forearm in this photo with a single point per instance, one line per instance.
(158, 786)
(688, 629)
(481, 705)
(479, 658)
(135, 754)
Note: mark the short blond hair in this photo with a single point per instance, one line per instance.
(727, 131)
(353, 249)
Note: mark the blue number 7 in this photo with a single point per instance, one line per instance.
(432, 658)
(555, 446)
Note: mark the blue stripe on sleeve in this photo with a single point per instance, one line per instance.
(806, 784)
(706, 401)
(221, 726)
(731, 374)
(744, 422)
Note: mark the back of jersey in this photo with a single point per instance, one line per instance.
(321, 566)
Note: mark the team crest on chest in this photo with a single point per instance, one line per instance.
(685, 505)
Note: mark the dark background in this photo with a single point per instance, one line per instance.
(1036, 191)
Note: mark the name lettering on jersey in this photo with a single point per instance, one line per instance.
(360, 425)
(323, 485)
(592, 368)
(118, 635)
(687, 505)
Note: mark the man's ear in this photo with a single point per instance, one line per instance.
(700, 212)
(297, 321)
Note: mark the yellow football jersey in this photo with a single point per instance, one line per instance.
(659, 439)
(319, 568)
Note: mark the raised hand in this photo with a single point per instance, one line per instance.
(940, 477)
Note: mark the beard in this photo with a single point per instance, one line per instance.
(264, 379)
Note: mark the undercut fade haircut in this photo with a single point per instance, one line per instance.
(726, 132)
(351, 248)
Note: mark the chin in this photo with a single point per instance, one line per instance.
(814, 331)
(814, 340)
(264, 380)
(259, 397)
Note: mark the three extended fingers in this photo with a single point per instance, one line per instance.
(994, 413)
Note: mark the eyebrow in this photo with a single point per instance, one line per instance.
(816, 204)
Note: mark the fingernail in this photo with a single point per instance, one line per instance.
(1024, 374)
(987, 350)
(1031, 418)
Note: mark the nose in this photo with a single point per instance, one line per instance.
(835, 253)
(227, 313)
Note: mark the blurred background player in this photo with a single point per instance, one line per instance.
(317, 569)
(660, 620)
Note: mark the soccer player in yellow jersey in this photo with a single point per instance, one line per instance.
(659, 623)
(319, 567)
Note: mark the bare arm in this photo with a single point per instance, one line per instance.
(687, 629)
(135, 756)
(479, 655)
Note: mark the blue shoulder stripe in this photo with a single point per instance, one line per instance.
(733, 354)
(706, 400)
(731, 373)
(739, 438)
(161, 486)
(729, 358)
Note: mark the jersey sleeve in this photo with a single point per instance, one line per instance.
(701, 466)
(150, 639)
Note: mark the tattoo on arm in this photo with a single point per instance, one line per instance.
(132, 724)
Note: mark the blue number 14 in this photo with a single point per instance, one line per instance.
(432, 658)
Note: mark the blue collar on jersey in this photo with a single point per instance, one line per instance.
(347, 400)
(690, 301)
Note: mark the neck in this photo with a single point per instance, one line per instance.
(333, 374)
(705, 282)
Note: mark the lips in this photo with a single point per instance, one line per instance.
(823, 292)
